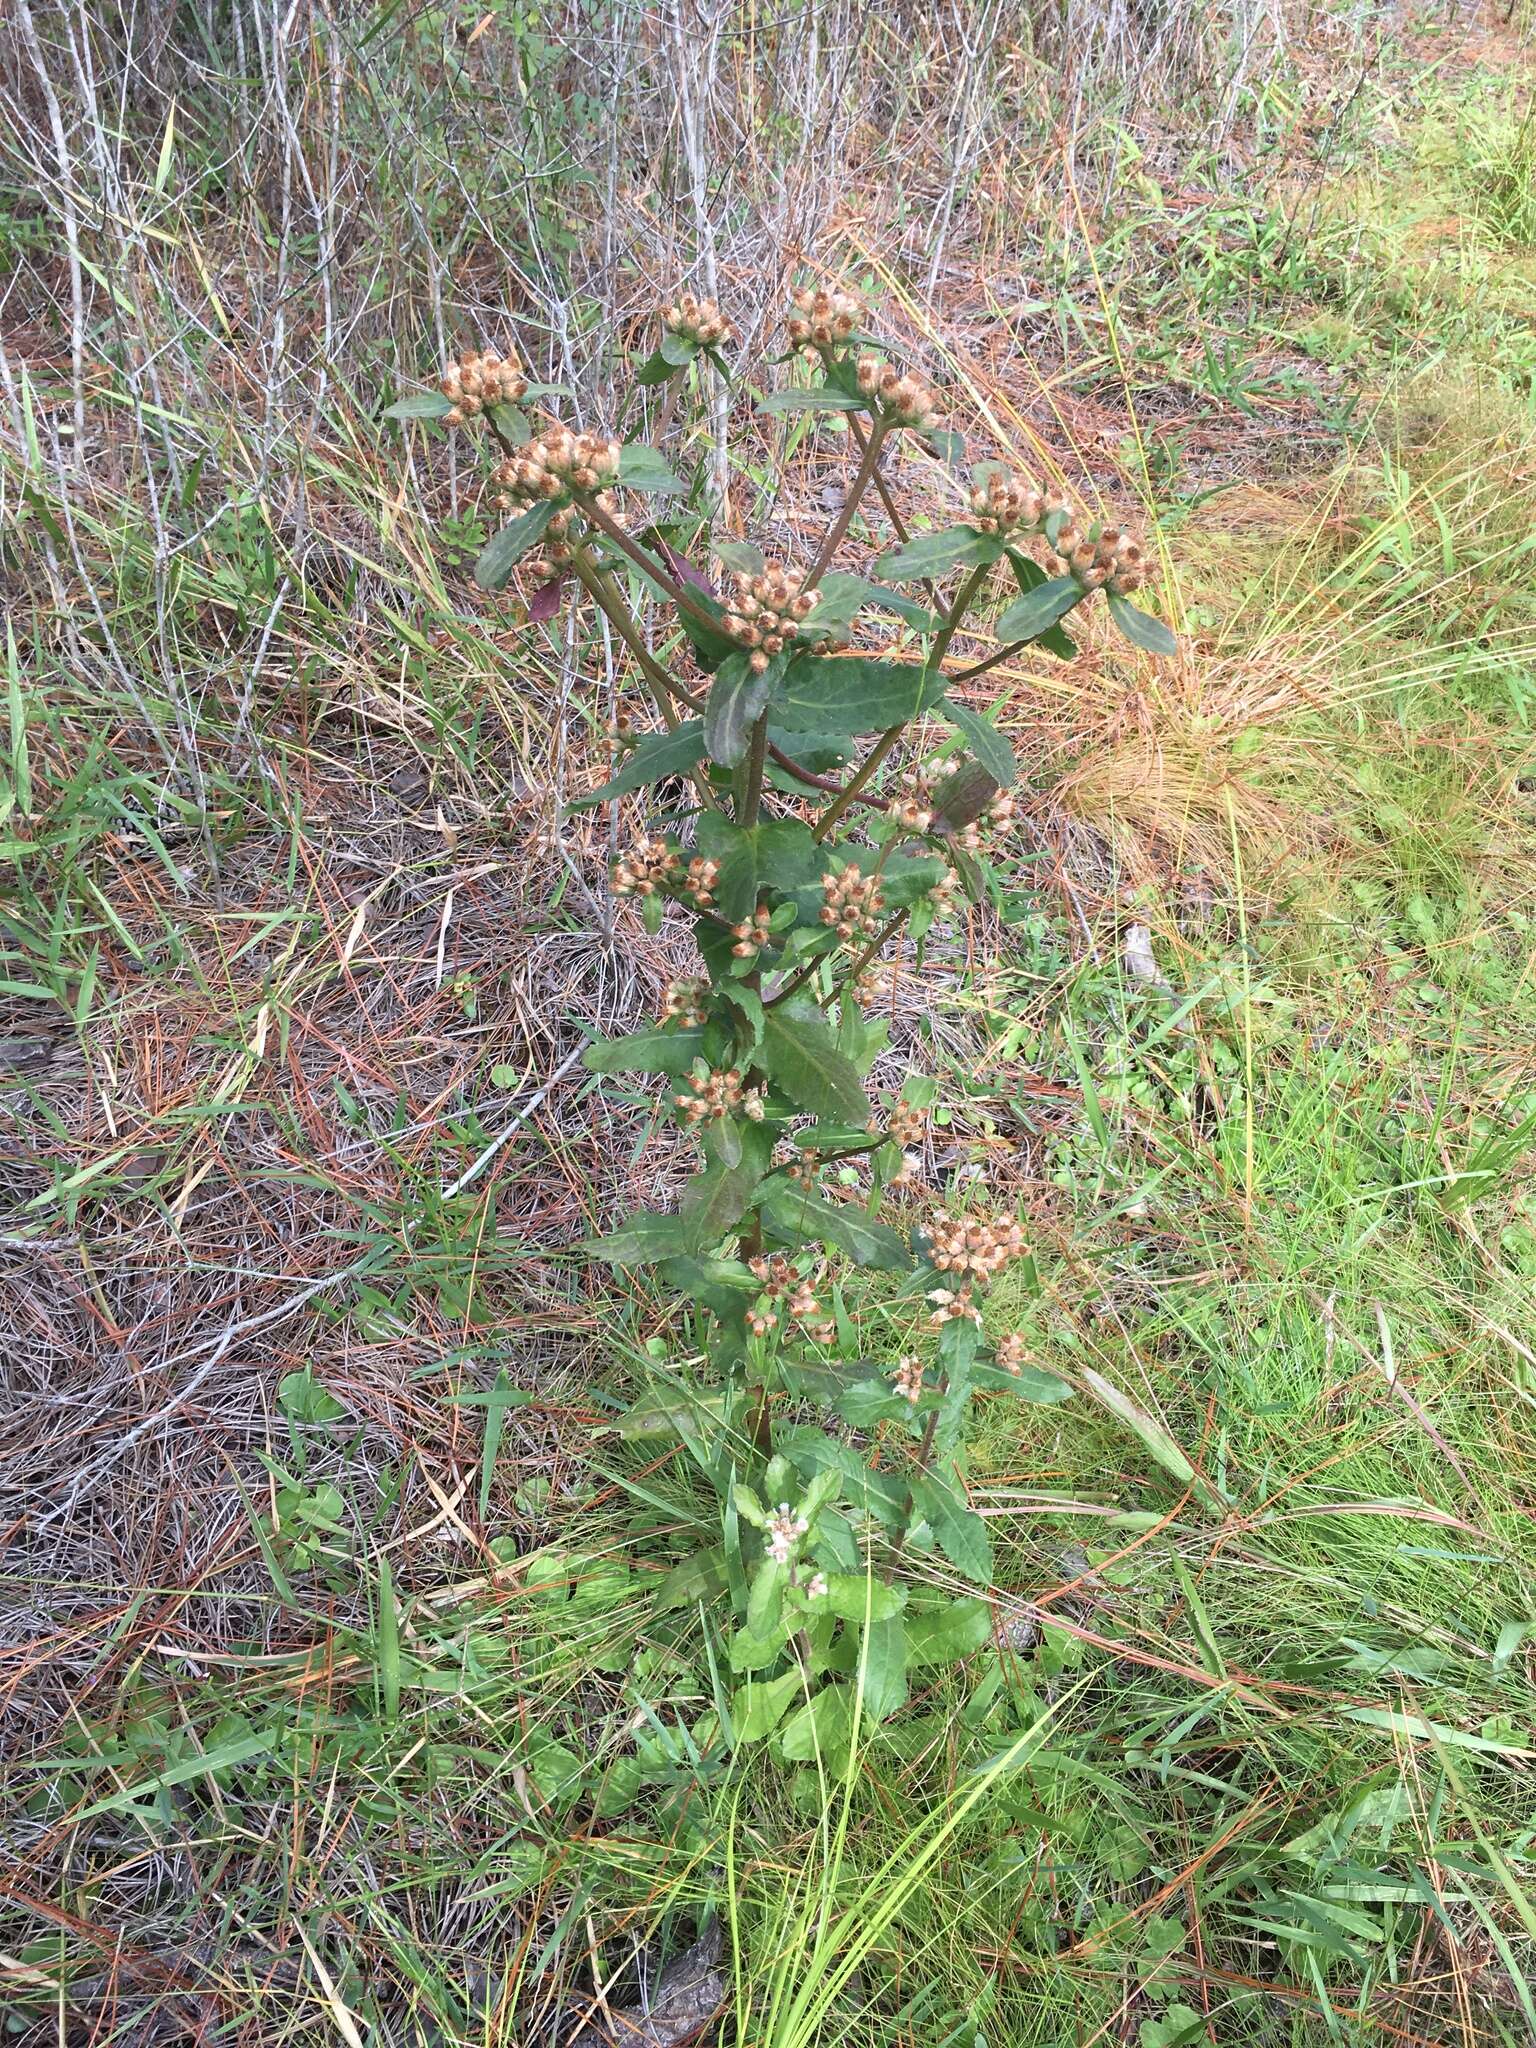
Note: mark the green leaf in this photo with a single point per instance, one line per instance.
(655, 369)
(678, 349)
(853, 693)
(820, 1729)
(962, 797)
(801, 1056)
(715, 1200)
(719, 1284)
(777, 854)
(421, 405)
(884, 1668)
(736, 699)
(657, 756)
(742, 555)
(840, 598)
(960, 1531)
(512, 421)
(930, 555)
(645, 1052)
(941, 1634)
(501, 554)
(644, 1237)
(1029, 575)
(796, 1214)
(820, 398)
(1032, 616)
(984, 741)
(1154, 1437)
(847, 1593)
(302, 1398)
(946, 444)
(760, 1705)
(1140, 628)
(642, 469)
(821, 752)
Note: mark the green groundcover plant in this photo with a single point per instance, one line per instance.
(814, 803)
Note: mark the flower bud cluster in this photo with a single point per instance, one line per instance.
(852, 902)
(908, 1124)
(709, 1093)
(905, 401)
(785, 1528)
(823, 319)
(699, 320)
(752, 934)
(477, 380)
(684, 1002)
(951, 1305)
(649, 865)
(699, 882)
(907, 1380)
(559, 463)
(803, 1168)
(912, 806)
(974, 1246)
(768, 611)
(1111, 561)
(1010, 1353)
(1005, 504)
(777, 1278)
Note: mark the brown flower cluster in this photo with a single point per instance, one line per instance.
(649, 865)
(905, 401)
(752, 934)
(709, 1093)
(907, 1380)
(852, 902)
(477, 380)
(558, 464)
(784, 1286)
(974, 1246)
(684, 1002)
(823, 319)
(1006, 504)
(1112, 561)
(768, 611)
(1010, 1353)
(699, 882)
(699, 320)
(908, 1124)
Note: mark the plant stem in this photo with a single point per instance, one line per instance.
(888, 739)
(657, 571)
(883, 491)
(856, 490)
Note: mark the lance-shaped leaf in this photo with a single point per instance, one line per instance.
(642, 469)
(501, 554)
(841, 596)
(883, 1667)
(645, 1236)
(962, 797)
(820, 398)
(715, 1200)
(736, 700)
(961, 1533)
(853, 693)
(795, 1214)
(645, 1052)
(1029, 575)
(803, 1062)
(658, 755)
(1140, 628)
(984, 740)
(1032, 616)
(421, 405)
(928, 555)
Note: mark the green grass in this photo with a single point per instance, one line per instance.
(383, 1694)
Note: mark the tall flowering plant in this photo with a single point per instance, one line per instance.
(817, 799)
